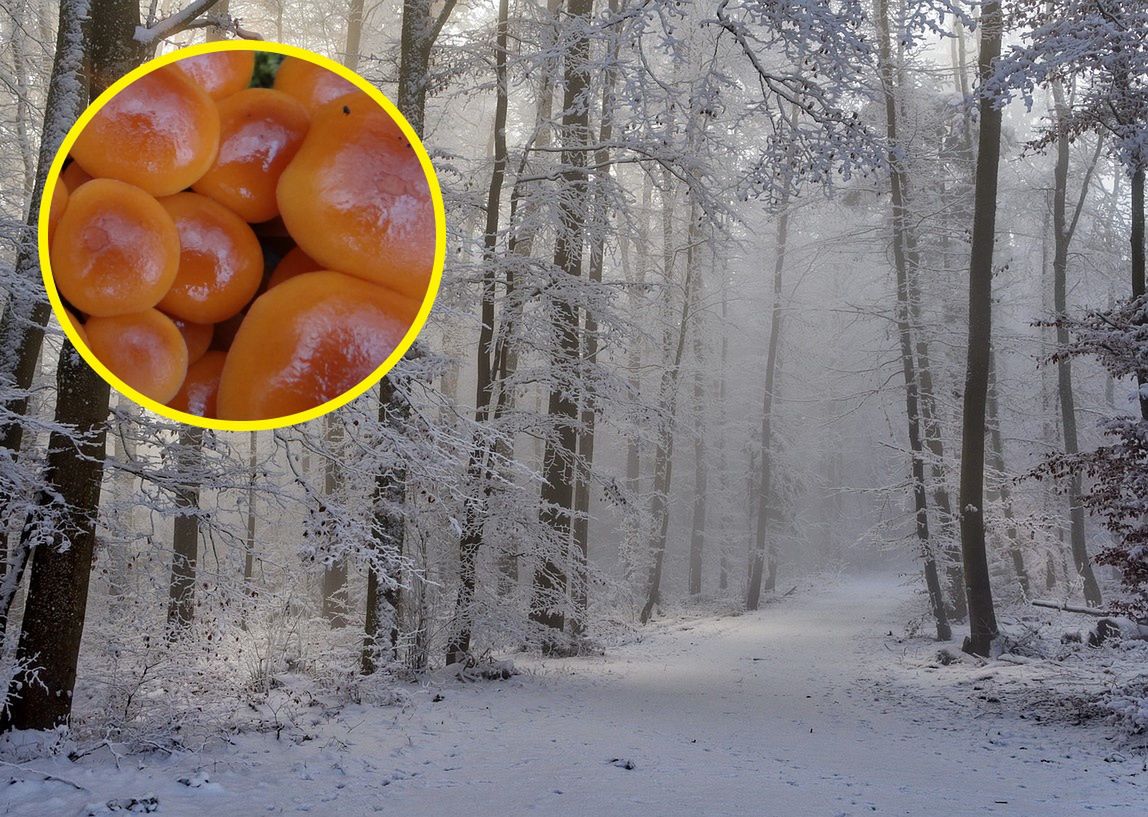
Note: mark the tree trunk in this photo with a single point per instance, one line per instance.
(354, 35)
(53, 623)
(1001, 488)
(558, 458)
(63, 533)
(664, 451)
(383, 600)
(334, 585)
(978, 588)
(635, 526)
(249, 544)
(723, 464)
(418, 34)
(222, 10)
(698, 528)
(932, 427)
(757, 565)
(1062, 236)
(1138, 266)
(478, 468)
(588, 412)
(185, 533)
(26, 312)
(420, 30)
(905, 329)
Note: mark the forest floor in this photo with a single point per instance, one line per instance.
(811, 706)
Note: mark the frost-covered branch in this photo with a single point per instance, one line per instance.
(173, 24)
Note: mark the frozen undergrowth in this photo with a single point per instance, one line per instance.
(809, 706)
(1046, 671)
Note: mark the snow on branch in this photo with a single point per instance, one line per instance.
(225, 22)
(174, 23)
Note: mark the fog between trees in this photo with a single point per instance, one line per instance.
(715, 318)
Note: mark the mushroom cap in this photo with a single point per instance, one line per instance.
(160, 133)
(357, 200)
(115, 249)
(310, 340)
(220, 74)
(144, 349)
(220, 260)
(261, 130)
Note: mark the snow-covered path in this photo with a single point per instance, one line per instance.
(783, 712)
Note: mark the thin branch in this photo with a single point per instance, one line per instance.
(440, 21)
(173, 24)
(227, 23)
(1084, 187)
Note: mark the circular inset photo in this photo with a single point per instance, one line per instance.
(242, 235)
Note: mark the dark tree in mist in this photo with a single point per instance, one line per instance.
(62, 533)
(978, 588)
(558, 460)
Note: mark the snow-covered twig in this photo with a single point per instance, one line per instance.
(44, 775)
(227, 23)
(172, 24)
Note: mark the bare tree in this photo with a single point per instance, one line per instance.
(978, 587)
(557, 501)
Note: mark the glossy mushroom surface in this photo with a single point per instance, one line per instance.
(115, 249)
(160, 133)
(220, 261)
(307, 341)
(143, 349)
(313, 85)
(220, 74)
(356, 199)
(261, 130)
(200, 387)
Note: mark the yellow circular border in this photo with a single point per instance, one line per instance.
(287, 51)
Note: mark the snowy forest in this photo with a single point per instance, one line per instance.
(777, 444)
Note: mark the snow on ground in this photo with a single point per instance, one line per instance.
(807, 707)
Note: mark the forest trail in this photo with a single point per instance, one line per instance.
(788, 711)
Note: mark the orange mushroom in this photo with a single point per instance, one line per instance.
(295, 262)
(220, 74)
(260, 132)
(356, 199)
(160, 133)
(311, 84)
(143, 349)
(115, 249)
(198, 393)
(308, 341)
(197, 336)
(220, 260)
(56, 207)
